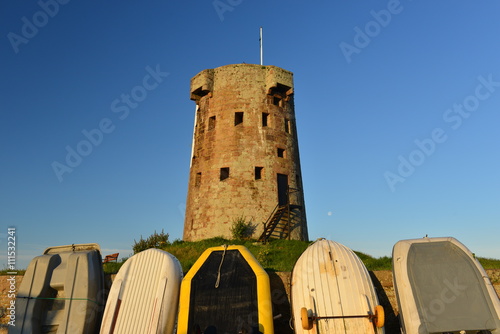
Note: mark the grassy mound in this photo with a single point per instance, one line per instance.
(276, 255)
(488, 263)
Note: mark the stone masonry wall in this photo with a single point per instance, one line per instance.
(245, 115)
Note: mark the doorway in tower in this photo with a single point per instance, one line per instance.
(282, 189)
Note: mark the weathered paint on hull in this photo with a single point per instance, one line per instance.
(329, 279)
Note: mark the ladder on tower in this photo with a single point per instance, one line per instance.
(278, 224)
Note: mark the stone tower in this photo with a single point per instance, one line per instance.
(245, 155)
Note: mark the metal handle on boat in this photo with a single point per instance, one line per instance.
(378, 317)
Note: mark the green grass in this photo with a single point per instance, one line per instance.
(488, 263)
(112, 267)
(276, 255)
(373, 264)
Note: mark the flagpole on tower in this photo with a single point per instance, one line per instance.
(261, 50)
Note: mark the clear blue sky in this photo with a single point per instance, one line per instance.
(397, 105)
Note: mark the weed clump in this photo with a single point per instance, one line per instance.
(241, 229)
(155, 240)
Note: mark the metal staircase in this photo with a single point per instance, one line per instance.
(279, 223)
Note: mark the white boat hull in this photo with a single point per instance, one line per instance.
(329, 280)
(144, 295)
(440, 287)
(61, 292)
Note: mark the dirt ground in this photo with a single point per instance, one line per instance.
(280, 287)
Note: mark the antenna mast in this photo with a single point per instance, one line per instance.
(261, 51)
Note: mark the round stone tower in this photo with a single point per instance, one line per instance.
(245, 156)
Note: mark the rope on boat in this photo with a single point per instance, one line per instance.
(220, 266)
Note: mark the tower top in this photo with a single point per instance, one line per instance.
(273, 77)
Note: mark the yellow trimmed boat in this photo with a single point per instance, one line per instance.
(226, 291)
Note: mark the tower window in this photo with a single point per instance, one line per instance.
(224, 173)
(197, 181)
(238, 117)
(281, 152)
(265, 117)
(279, 94)
(287, 125)
(258, 173)
(276, 100)
(199, 93)
(211, 123)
